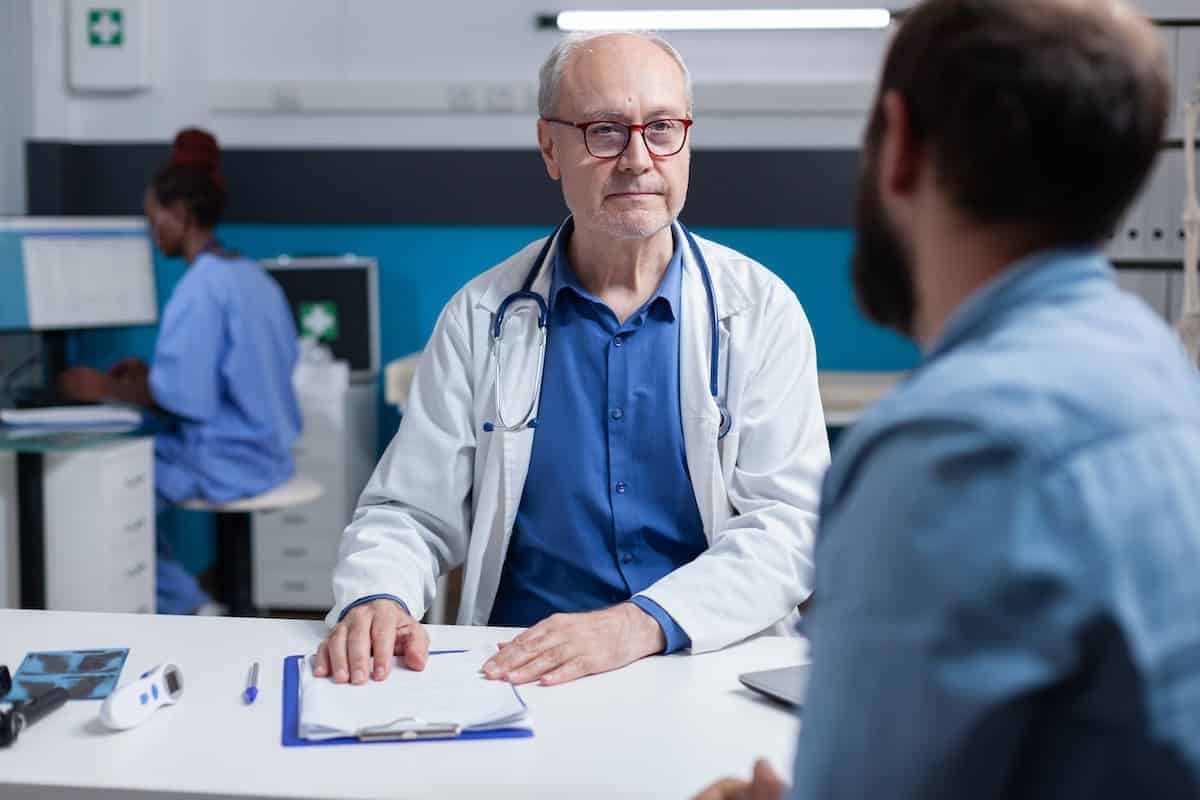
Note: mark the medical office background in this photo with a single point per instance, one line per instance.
(404, 131)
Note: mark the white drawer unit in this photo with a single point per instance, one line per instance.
(99, 527)
(295, 587)
(295, 549)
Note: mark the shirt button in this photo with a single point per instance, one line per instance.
(627, 558)
(617, 413)
(620, 487)
(619, 341)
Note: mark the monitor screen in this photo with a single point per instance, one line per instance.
(333, 301)
(61, 274)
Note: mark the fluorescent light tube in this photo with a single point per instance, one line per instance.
(726, 20)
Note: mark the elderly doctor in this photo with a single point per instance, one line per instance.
(632, 466)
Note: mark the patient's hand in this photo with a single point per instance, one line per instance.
(764, 785)
(564, 647)
(372, 633)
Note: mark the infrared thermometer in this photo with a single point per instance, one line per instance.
(132, 704)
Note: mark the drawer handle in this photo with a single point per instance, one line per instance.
(295, 519)
(136, 525)
(135, 570)
(295, 552)
(296, 586)
(135, 481)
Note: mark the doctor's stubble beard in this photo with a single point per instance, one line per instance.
(881, 266)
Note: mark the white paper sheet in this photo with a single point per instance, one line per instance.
(450, 690)
(71, 416)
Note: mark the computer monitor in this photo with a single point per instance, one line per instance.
(336, 301)
(75, 272)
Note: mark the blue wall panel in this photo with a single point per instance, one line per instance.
(420, 267)
(14, 310)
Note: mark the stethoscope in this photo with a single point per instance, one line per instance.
(528, 420)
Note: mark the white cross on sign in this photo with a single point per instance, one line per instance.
(105, 28)
(317, 321)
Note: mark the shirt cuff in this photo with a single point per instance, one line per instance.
(677, 638)
(368, 599)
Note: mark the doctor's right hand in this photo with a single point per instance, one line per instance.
(365, 641)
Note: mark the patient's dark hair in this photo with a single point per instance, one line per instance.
(193, 177)
(1047, 112)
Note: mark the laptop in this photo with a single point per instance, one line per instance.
(787, 685)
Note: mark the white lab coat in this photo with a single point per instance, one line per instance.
(446, 493)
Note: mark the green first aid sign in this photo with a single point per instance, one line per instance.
(106, 27)
(319, 320)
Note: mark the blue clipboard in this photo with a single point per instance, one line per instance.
(291, 716)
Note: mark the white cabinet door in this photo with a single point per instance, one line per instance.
(9, 573)
(99, 528)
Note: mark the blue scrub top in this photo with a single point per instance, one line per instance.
(223, 364)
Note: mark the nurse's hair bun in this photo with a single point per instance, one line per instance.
(198, 149)
(193, 176)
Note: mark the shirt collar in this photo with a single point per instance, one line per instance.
(670, 288)
(1029, 279)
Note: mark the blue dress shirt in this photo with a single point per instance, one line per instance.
(1007, 598)
(608, 507)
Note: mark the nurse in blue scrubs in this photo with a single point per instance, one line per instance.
(222, 365)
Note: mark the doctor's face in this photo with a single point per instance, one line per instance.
(626, 79)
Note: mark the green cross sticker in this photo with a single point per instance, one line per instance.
(319, 320)
(106, 27)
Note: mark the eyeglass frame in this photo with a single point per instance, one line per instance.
(583, 126)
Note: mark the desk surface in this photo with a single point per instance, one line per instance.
(48, 439)
(662, 728)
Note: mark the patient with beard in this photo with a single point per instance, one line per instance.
(1006, 566)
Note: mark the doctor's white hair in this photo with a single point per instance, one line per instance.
(551, 73)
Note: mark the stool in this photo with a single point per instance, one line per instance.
(234, 560)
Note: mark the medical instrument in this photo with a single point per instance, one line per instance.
(133, 703)
(27, 712)
(528, 419)
(251, 692)
(1188, 326)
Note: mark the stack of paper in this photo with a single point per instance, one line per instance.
(450, 691)
(71, 416)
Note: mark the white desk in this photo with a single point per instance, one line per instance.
(661, 728)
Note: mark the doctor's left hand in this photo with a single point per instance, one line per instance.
(564, 647)
(85, 384)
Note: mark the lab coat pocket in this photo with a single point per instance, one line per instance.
(700, 444)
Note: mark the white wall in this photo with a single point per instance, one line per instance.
(16, 101)
(370, 40)
(219, 42)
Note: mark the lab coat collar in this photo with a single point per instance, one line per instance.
(731, 298)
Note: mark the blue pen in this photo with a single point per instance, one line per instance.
(252, 685)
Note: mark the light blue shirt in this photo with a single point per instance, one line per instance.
(1007, 598)
(223, 364)
(608, 507)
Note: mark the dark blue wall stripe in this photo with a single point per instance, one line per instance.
(738, 188)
